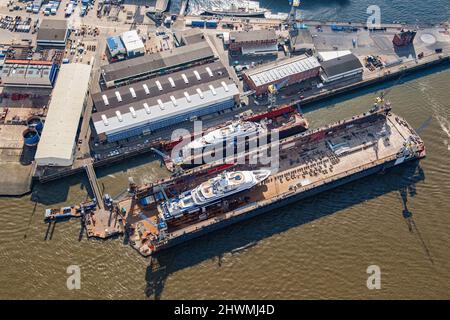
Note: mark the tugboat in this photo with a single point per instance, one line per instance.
(217, 188)
(248, 9)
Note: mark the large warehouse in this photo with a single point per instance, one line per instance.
(69, 97)
(341, 67)
(254, 42)
(284, 72)
(146, 66)
(52, 33)
(150, 105)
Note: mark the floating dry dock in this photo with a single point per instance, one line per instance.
(309, 163)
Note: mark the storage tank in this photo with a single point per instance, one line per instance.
(31, 137)
(35, 122)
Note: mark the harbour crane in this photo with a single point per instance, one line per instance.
(292, 19)
(273, 91)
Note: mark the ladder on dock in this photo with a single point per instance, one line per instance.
(94, 184)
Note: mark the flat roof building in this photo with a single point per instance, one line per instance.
(57, 144)
(29, 74)
(144, 67)
(161, 102)
(115, 47)
(254, 42)
(341, 67)
(133, 43)
(52, 33)
(283, 72)
(189, 36)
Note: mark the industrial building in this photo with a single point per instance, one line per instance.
(133, 44)
(282, 73)
(187, 37)
(341, 67)
(52, 33)
(146, 66)
(160, 102)
(254, 42)
(115, 49)
(69, 97)
(29, 74)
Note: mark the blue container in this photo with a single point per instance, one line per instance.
(198, 23)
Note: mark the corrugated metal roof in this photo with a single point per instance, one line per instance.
(156, 61)
(281, 69)
(162, 107)
(253, 35)
(341, 65)
(170, 83)
(61, 124)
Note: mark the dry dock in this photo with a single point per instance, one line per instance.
(309, 163)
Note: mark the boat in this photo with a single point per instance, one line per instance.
(212, 190)
(247, 9)
(229, 133)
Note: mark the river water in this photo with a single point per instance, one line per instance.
(317, 248)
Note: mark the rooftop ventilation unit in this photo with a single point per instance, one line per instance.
(174, 101)
(214, 92)
(185, 78)
(147, 108)
(158, 84)
(118, 96)
(172, 83)
(161, 104)
(146, 89)
(208, 69)
(197, 75)
(225, 86)
(105, 100)
(105, 120)
(119, 116)
(133, 93)
(188, 98)
(133, 112)
(200, 93)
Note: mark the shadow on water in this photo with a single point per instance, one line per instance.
(376, 88)
(57, 191)
(245, 234)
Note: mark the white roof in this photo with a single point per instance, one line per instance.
(132, 41)
(330, 55)
(282, 69)
(61, 124)
(171, 106)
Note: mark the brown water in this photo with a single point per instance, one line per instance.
(317, 248)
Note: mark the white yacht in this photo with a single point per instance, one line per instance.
(221, 186)
(228, 133)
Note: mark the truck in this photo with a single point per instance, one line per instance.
(69, 10)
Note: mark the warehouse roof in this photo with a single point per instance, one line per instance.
(137, 91)
(189, 36)
(341, 65)
(52, 30)
(132, 41)
(157, 61)
(162, 107)
(253, 35)
(64, 112)
(278, 70)
(27, 73)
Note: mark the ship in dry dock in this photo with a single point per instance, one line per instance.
(309, 163)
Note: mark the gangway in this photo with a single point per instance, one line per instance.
(92, 177)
